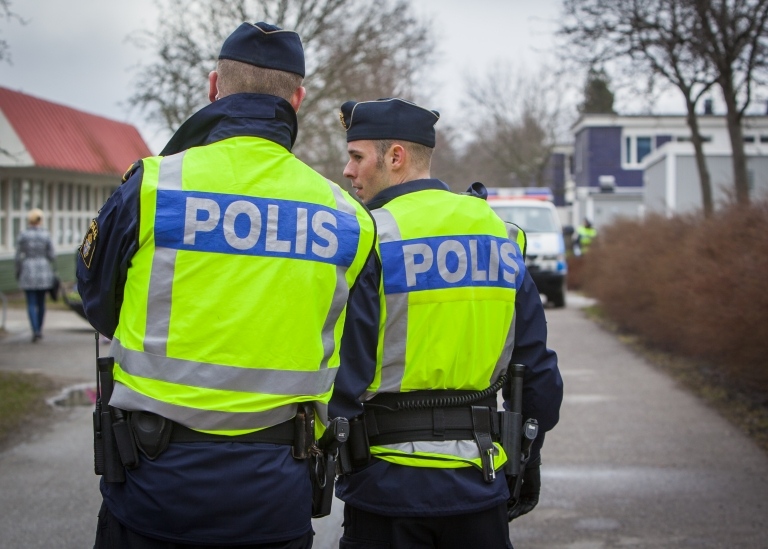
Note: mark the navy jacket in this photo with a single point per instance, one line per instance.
(395, 490)
(197, 493)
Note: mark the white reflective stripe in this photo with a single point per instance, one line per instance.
(513, 232)
(169, 174)
(395, 337)
(218, 376)
(196, 418)
(395, 333)
(506, 354)
(342, 204)
(462, 449)
(163, 268)
(341, 293)
(509, 343)
(339, 301)
(386, 226)
(159, 301)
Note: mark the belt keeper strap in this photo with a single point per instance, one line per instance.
(481, 420)
(438, 422)
(371, 428)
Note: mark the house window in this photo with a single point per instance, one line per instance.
(628, 150)
(749, 139)
(636, 148)
(764, 139)
(643, 148)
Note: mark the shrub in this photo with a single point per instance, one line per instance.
(690, 285)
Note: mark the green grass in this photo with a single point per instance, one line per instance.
(21, 395)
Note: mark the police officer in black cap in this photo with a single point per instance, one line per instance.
(454, 308)
(220, 270)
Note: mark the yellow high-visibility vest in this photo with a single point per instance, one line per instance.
(236, 297)
(449, 283)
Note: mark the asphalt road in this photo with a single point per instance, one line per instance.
(635, 461)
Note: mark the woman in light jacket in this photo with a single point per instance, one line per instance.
(34, 269)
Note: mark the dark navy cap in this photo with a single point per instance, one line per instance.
(266, 46)
(389, 118)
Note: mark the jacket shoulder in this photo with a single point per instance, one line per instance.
(131, 170)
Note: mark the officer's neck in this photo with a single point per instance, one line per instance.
(404, 176)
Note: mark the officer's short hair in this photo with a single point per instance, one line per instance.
(421, 155)
(238, 77)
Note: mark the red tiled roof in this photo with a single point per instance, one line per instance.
(64, 138)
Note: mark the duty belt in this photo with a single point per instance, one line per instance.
(277, 434)
(386, 427)
(152, 434)
(383, 424)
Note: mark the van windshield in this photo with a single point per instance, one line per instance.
(530, 219)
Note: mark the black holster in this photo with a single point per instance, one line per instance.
(152, 433)
(323, 465)
(113, 443)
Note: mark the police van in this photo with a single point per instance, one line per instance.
(545, 257)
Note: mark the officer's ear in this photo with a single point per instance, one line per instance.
(297, 97)
(213, 86)
(396, 156)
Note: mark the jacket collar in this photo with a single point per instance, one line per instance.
(251, 114)
(393, 192)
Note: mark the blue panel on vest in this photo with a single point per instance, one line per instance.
(245, 225)
(450, 262)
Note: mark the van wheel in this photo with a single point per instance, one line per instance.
(557, 299)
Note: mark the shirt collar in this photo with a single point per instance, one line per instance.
(394, 191)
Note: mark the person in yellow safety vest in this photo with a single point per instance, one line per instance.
(221, 270)
(585, 234)
(449, 308)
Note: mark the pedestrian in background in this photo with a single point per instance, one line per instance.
(454, 308)
(585, 234)
(221, 270)
(34, 269)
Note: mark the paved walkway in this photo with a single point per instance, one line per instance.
(635, 461)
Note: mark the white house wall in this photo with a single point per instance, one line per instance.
(655, 186)
(13, 153)
(672, 183)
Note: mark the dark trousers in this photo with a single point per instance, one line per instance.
(484, 530)
(36, 309)
(111, 534)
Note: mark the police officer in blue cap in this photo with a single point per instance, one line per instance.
(447, 310)
(221, 270)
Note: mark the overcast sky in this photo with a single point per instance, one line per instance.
(79, 52)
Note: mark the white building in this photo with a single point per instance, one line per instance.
(65, 162)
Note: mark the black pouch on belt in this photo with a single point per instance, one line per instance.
(151, 432)
(358, 447)
(303, 430)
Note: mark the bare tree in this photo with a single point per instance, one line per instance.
(514, 118)
(7, 13)
(731, 35)
(449, 159)
(655, 36)
(355, 49)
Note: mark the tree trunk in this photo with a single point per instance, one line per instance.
(738, 156)
(701, 161)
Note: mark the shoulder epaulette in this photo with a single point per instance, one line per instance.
(130, 171)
